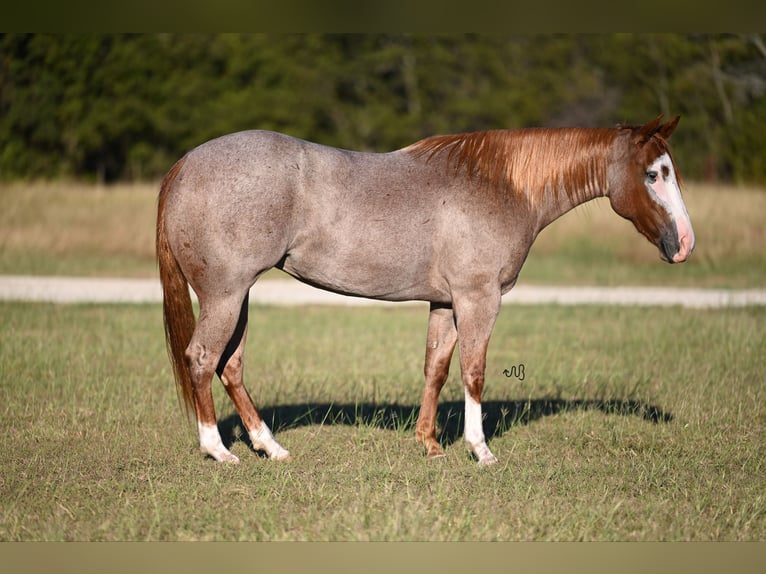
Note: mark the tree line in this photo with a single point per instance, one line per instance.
(125, 106)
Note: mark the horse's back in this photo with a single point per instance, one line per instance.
(243, 160)
(340, 219)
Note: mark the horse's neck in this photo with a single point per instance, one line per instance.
(558, 169)
(555, 203)
(581, 184)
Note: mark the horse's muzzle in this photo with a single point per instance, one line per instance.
(669, 244)
(685, 248)
(675, 249)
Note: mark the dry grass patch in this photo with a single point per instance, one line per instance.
(75, 229)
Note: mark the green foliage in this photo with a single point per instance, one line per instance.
(113, 107)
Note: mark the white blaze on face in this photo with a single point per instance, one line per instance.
(666, 191)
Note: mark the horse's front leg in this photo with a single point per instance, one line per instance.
(475, 315)
(440, 343)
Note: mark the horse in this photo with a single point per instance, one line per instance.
(448, 220)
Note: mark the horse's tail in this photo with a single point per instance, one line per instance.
(178, 314)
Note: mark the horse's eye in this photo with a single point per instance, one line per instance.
(651, 176)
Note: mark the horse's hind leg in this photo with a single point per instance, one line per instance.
(230, 369)
(440, 344)
(217, 321)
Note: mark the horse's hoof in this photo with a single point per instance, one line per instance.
(435, 453)
(487, 461)
(280, 454)
(225, 457)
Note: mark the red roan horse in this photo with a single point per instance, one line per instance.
(448, 220)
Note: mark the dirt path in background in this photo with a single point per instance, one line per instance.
(289, 292)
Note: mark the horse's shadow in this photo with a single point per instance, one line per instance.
(499, 416)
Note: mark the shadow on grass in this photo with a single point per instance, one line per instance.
(499, 416)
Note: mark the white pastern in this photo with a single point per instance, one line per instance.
(262, 439)
(210, 443)
(474, 433)
(667, 192)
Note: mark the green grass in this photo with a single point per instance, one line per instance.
(630, 424)
(72, 229)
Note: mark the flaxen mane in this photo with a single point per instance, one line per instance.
(529, 162)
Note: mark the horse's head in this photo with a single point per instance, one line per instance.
(647, 190)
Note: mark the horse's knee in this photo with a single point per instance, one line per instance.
(474, 384)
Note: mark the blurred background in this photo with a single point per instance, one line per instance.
(89, 123)
(113, 108)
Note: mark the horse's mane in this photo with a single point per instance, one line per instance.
(528, 162)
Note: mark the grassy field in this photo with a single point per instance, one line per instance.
(629, 424)
(59, 229)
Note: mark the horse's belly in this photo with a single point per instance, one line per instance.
(364, 274)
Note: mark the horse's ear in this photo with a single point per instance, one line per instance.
(644, 133)
(667, 128)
